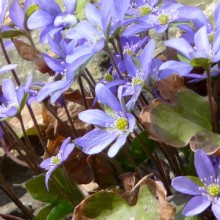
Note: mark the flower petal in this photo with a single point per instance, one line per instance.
(49, 6)
(39, 19)
(180, 45)
(113, 150)
(70, 5)
(17, 15)
(201, 39)
(68, 150)
(45, 163)
(216, 209)
(9, 91)
(95, 141)
(196, 205)
(96, 117)
(185, 185)
(49, 173)
(102, 92)
(8, 67)
(203, 165)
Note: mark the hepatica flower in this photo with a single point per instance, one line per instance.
(112, 125)
(203, 47)
(51, 18)
(52, 163)
(12, 99)
(206, 194)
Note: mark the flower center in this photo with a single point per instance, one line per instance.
(55, 160)
(213, 190)
(164, 19)
(128, 51)
(121, 124)
(211, 38)
(136, 81)
(144, 10)
(65, 20)
(108, 77)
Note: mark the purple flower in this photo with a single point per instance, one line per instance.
(64, 72)
(52, 163)
(206, 194)
(140, 76)
(3, 7)
(51, 18)
(112, 126)
(203, 47)
(17, 14)
(140, 8)
(12, 99)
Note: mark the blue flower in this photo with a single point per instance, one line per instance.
(112, 125)
(206, 194)
(12, 99)
(140, 76)
(52, 163)
(203, 47)
(51, 18)
(3, 7)
(64, 72)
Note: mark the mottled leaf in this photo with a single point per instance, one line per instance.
(112, 204)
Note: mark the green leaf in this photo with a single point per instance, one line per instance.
(60, 210)
(110, 205)
(182, 58)
(31, 10)
(80, 8)
(44, 212)
(12, 33)
(37, 188)
(205, 62)
(186, 120)
(54, 211)
(24, 101)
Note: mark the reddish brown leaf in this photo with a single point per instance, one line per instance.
(170, 86)
(104, 171)
(26, 51)
(128, 180)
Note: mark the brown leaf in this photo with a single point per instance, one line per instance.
(128, 180)
(105, 173)
(26, 51)
(78, 167)
(205, 141)
(167, 211)
(170, 86)
(145, 118)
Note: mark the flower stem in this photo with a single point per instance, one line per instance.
(131, 160)
(113, 61)
(30, 148)
(8, 61)
(61, 123)
(9, 192)
(69, 117)
(156, 161)
(15, 140)
(211, 104)
(82, 92)
(40, 135)
(64, 193)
